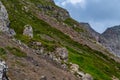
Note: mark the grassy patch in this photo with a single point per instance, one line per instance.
(3, 53)
(98, 65)
(17, 52)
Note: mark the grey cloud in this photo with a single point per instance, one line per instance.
(100, 15)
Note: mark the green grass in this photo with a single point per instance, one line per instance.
(3, 53)
(98, 65)
(17, 52)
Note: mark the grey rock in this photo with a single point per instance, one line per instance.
(114, 78)
(28, 31)
(87, 77)
(57, 13)
(74, 68)
(62, 53)
(3, 70)
(39, 51)
(92, 34)
(61, 14)
(12, 32)
(111, 40)
(43, 78)
(4, 21)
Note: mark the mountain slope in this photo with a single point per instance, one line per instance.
(53, 28)
(110, 39)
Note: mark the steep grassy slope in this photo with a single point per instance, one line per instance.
(98, 65)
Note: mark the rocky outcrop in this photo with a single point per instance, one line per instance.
(114, 78)
(3, 70)
(74, 68)
(28, 31)
(62, 53)
(54, 11)
(4, 21)
(110, 39)
(91, 33)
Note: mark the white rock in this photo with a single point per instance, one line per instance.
(74, 68)
(62, 52)
(3, 69)
(28, 31)
(87, 77)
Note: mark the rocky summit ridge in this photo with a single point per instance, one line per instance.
(40, 41)
(110, 39)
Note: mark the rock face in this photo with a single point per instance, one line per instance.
(53, 11)
(3, 70)
(28, 31)
(4, 21)
(111, 39)
(91, 33)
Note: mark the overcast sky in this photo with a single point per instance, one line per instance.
(100, 14)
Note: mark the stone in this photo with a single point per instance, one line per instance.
(74, 68)
(39, 51)
(4, 21)
(28, 31)
(87, 77)
(12, 32)
(38, 43)
(114, 78)
(43, 78)
(62, 53)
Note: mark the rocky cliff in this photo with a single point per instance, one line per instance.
(91, 32)
(110, 39)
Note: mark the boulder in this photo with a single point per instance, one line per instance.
(87, 77)
(114, 78)
(62, 53)
(12, 32)
(74, 68)
(28, 31)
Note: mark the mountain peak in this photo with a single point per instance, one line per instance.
(110, 39)
(117, 27)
